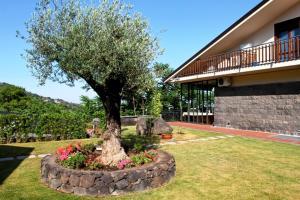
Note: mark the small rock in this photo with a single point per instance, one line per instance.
(107, 179)
(74, 180)
(139, 185)
(79, 191)
(157, 181)
(64, 178)
(118, 175)
(55, 183)
(66, 188)
(53, 173)
(122, 184)
(103, 190)
(92, 191)
(87, 181)
(133, 176)
(164, 166)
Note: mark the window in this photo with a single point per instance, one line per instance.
(287, 35)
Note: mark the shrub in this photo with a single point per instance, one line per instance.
(88, 147)
(155, 106)
(94, 165)
(140, 159)
(75, 161)
(138, 143)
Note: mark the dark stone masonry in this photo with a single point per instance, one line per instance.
(101, 183)
(270, 107)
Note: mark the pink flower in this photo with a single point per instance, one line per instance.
(122, 163)
(63, 156)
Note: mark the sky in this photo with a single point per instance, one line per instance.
(182, 26)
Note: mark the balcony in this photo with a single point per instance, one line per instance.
(274, 52)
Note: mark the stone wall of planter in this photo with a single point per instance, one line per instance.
(101, 183)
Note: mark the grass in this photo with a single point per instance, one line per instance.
(178, 133)
(231, 168)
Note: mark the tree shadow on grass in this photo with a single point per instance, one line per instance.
(134, 142)
(7, 167)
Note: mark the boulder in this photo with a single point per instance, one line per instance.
(149, 126)
(141, 126)
(161, 126)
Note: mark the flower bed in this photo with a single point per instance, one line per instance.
(76, 156)
(108, 181)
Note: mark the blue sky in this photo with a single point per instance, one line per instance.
(183, 27)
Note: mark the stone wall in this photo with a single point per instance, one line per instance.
(270, 107)
(129, 120)
(101, 183)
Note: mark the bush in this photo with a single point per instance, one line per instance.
(140, 159)
(88, 147)
(155, 106)
(138, 143)
(21, 128)
(75, 161)
(95, 165)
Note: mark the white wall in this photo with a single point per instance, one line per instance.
(266, 34)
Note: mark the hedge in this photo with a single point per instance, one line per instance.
(53, 126)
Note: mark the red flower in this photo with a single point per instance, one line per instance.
(60, 150)
(69, 149)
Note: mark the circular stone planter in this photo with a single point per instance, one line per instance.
(101, 183)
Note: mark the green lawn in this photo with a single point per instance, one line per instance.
(231, 168)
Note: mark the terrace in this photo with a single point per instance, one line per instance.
(277, 54)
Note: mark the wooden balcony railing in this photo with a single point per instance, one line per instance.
(274, 52)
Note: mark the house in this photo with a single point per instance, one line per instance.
(248, 77)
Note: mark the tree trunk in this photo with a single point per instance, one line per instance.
(112, 151)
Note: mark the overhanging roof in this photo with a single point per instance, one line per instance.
(255, 14)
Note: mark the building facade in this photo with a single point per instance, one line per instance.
(248, 77)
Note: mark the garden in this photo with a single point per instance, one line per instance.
(51, 149)
(232, 168)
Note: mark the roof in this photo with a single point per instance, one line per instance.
(258, 6)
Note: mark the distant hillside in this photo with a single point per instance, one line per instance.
(45, 99)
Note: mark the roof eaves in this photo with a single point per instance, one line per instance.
(262, 3)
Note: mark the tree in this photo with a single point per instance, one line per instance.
(155, 105)
(170, 92)
(107, 45)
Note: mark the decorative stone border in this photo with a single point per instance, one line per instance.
(101, 183)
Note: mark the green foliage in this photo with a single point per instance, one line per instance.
(155, 105)
(170, 92)
(140, 159)
(25, 114)
(16, 128)
(95, 165)
(138, 147)
(61, 126)
(137, 143)
(98, 43)
(75, 161)
(88, 147)
(92, 108)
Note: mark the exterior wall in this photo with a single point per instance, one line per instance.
(266, 34)
(268, 107)
(281, 76)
